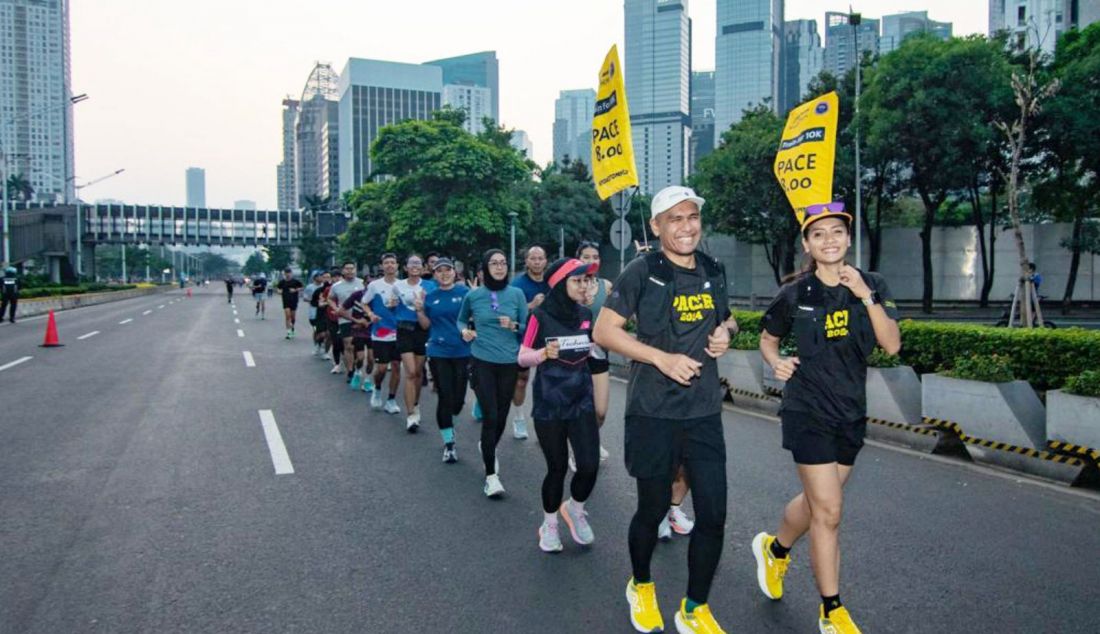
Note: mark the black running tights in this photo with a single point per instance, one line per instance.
(708, 494)
(494, 386)
(555, 436)
(450, 375)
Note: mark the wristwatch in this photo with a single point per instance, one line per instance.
(871, 299)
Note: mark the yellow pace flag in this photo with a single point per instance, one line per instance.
(612, 149)
(807, 154)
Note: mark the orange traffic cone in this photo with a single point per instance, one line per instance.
(51, 340)
(189, 292)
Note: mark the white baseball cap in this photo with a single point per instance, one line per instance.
(668, 197)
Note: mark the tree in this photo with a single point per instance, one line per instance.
(279, 256)
(20, 188)
(565, 200)
(925, 100)
(738, 183)
(255, 264)
(216, 264)
(365, 240)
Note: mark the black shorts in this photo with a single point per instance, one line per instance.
(359, 344)
(656, 447)
(385, 351)
(813, 440)
(343, 330)
(291, 305)
(598, 366)
(414, 341)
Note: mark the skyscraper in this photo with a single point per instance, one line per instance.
(840, 41)
(196, 187)
(522, 142)
(748, 49)
(315, 137)
(573, 110)
(658, 87)
(476, 101)
(1037, 24)
(898, 26)
(285, 171)
(476, 69)
(803, 59)
(374, 94)
(36, 132)
(703, 139)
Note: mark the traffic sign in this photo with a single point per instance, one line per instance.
(620, 234)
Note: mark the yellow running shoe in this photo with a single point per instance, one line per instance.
(838, 622)
(769, 569)
(700, 621)
(645, 615)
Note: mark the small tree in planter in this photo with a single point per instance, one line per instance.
(893, 389)
(981, 394)
(1073, 413)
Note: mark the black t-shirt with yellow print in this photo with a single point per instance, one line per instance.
(651, 393)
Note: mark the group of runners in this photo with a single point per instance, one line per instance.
(561, 319)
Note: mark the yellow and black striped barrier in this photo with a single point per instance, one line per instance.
(740, 392)
(1003, 446)
(1069, 448)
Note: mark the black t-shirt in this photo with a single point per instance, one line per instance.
(694, 317)
(290, 289)
(832, 383)
(259, 286)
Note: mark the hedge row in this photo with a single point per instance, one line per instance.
(1044, 357)
(54, 291)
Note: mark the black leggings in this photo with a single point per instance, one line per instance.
(555, 436)
(708, 493)
(8, 304)
(450, 375)
(494, 385)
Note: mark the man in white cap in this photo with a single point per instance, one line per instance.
(677, 297)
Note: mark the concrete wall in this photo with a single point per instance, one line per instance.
(43, 305)
(956, 263)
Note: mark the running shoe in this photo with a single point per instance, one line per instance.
(549, 540)
(699, 621)
(645, 614)
(355, 381)
(450, 456)
(412, 423)
(664, 531)
(770, 569)
(336, 369)
(519, 428)
(368, 384)
(316, 350)
(680, 522)
(391, 407)
(493, 487)
(838, 621)
(287, 335)
(604, 455)
(376, 400)
(577, 521)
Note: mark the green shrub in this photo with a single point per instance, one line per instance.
(746, 340)
(991, 368)
(1085, 384)
(54, 290)
(879, 359)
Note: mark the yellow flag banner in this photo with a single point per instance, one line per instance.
(807, 154)
(612, 149)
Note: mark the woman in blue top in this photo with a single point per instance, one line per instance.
(449, 355)
(499, 312)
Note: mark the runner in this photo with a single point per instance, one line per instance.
(450, 355)
(259, 293)
(229, 289)
(412, 338)
(837, 314)
(380, 300)
(533, 284)
(337, 295)
(499, 312)
(589, 253)
(429, 285)
(9, 294)
(289, 289)
(558, 340)
(677, 296)
(355, 308)
(332, 322)
(312, 293)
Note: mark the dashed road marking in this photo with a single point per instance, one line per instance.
(7, 366)
(279, 456)
(240, 333)
(90, 334)
(249, 362)
(147, 312)
(125, 321)
(236, 321)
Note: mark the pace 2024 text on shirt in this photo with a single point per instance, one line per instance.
(651, 393)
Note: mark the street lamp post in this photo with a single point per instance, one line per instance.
(513, 215)
(855, 19)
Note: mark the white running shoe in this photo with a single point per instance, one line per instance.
(664, 531)
(549, 540)
(680, 522)
(450, 456)
(412, 423)
(376, 400)
(391, 407)
(604, 455)
(519, 428)
(577, 521)
(493, 487)
(336, 369)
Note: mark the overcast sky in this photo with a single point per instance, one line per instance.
(200, 83)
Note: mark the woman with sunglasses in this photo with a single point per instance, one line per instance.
(499, 312)
(589, 253)
(558, 340)
(837, 315)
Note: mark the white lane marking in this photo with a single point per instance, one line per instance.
(147, 312)
(90, 334)
(236, 321)
(279, 457)
(125, 321)
(14, 363)
(249, 362)
(234, 312)
(161, 306)
(240, 333)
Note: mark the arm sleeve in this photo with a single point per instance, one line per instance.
(627, 289)
(777, 318)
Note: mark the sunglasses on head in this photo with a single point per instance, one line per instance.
(825, 208)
